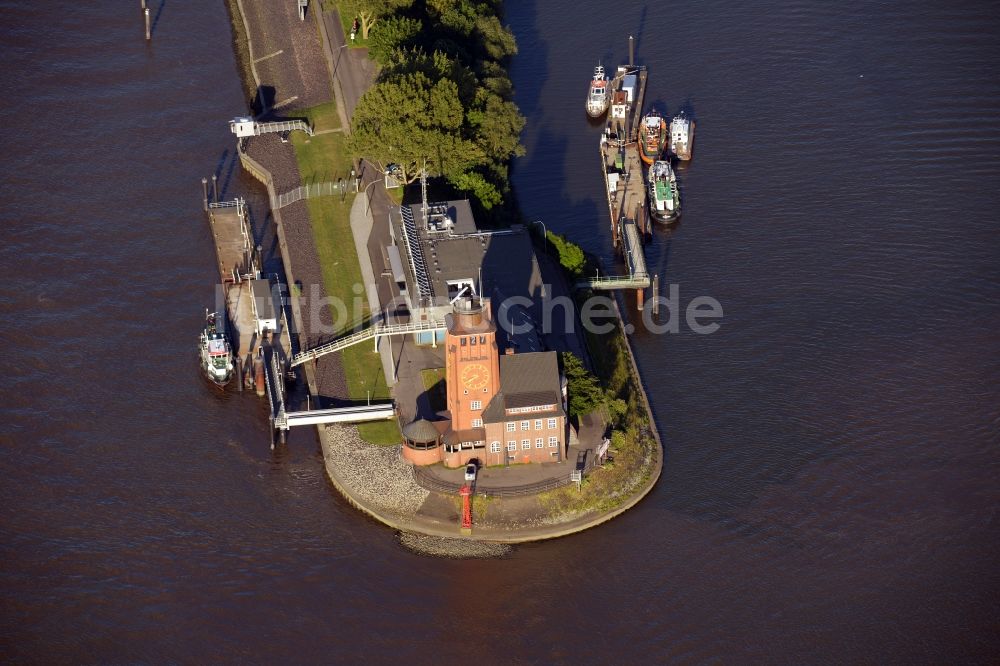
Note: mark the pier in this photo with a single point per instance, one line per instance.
(624, 184)
(254, 311)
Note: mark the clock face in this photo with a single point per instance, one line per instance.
(475, 376)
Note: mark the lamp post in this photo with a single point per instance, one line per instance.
(545, 235)
(368, 201)
(336, 66)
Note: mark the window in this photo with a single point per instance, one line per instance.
(477, 404)
(538, 424)
(511, 426)
(472, 340)
(552, 424)
(463, 342)
(477, 423)
(553, 441)
(525, 443)
(466, 391)
(512, 446)
(524, 425)
(495, 447)
(539, 443)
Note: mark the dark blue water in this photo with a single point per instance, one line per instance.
(829, 491)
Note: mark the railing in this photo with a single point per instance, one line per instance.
(309, 191)
(235, 203)
(378, 330)
(610, 282)
(430, 482)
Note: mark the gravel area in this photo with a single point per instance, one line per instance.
(296, 71)
(458, 548)
(374, 474)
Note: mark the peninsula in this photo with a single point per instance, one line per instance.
(449, 400)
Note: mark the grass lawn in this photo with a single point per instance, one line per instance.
(433, 380)
(324, 158)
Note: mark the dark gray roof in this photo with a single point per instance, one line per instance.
(526, 380)
(530, 399)
(529, 373)
(506, 257)
(421, 431)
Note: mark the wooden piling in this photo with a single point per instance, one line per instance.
(148, 33)
(204, 193)
(656, 294)
(215, 188)
(631, 50)
(640, 296)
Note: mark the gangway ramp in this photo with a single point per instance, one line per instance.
(354, 414)
(244, 127)
(376, 331)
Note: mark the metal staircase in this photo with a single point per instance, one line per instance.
(376, 331)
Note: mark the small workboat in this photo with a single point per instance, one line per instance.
(664, 196)
(600, 94)
(682, 136)
(652, 137)
(214, 352)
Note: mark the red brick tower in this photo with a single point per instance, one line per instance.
(472, 363)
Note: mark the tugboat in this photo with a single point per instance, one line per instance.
(664, 197)
(600, 94)
(652, 137)
(682, 136)
(214, 351)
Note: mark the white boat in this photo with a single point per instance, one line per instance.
(664, 196)
(682, 136)
(214, 352)
(600, 94)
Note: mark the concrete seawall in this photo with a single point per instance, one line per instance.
(412, 522)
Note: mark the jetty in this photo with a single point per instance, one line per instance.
(256, 323)
(624, 184)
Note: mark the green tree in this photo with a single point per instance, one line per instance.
(570, 254)
(584, 389)
(392, 33)
(370, 11)
(413, 121)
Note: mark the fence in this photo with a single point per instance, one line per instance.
(430, 482)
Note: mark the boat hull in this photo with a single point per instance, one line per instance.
(661, 186)
(651, 147)
(683, 151)
(595, 111)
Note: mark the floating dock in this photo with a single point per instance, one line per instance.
(255, 316)
(624, 183)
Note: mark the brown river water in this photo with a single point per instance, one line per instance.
(830, 486)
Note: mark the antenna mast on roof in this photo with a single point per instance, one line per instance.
(423, 192)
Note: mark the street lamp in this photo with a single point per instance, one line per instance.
(545, 235)
(336, 66)
(368, 201)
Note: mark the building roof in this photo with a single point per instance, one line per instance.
(526, 380)
(421, 431)
(438, 253)
(470, 435)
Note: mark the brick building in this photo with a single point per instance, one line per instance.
(503, 408)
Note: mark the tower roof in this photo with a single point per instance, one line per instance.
(421, 431)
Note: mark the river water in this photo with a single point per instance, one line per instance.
(831, 452)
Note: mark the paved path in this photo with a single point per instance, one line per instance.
(352, 70)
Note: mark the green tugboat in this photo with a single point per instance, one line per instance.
(664, 196)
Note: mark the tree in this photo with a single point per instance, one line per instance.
(570, 254)
(584, 389)
(412, 121)
(392, 33)
(370, 11)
